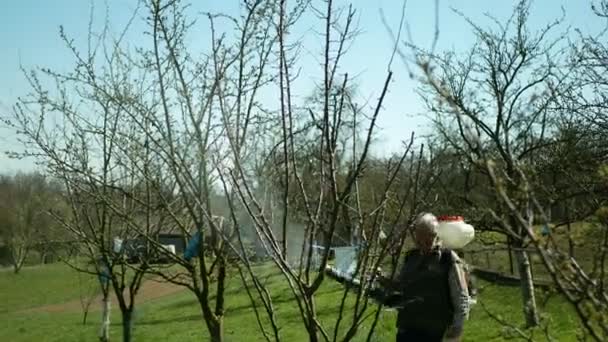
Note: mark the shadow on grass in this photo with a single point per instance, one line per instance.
(164, 320)
(247, 305)
(231, 291)
(182, 303)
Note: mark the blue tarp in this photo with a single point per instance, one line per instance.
(192, 248)
(546, 230)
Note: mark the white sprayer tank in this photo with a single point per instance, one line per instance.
(454, 232)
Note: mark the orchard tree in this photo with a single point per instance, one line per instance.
(108, 176)
(495, 101)
(500, 106)
(25, 200)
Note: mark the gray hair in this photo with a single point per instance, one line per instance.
(427, 223)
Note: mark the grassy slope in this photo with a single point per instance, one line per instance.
(38, 285)
(177, 317)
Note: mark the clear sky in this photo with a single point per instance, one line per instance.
(29, 37)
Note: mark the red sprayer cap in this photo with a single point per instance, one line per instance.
(450, 218)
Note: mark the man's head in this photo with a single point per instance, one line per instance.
(425, 231)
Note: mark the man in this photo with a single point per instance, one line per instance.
(433, 296)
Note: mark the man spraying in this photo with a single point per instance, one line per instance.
(433, 299)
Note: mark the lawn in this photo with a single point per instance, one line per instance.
(176, 317)
(39, 285)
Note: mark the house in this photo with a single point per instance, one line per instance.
(178, 240)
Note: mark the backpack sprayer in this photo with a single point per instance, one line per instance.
(454, 233)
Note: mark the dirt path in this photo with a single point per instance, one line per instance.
(150, 290)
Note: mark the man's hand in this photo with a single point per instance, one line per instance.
(453, 334)
(384, 281)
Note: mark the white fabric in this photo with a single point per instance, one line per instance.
(170, 248)
(117, 245)
(346, 259)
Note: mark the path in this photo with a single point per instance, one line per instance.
(150, 290)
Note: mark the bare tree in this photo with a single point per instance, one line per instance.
(88, 291)
(24, 222)
(184, 108)
(499, 97)
(318, 193)
(504, 99)
(149, 146)
(86, 149)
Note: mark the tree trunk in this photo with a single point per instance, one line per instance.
(569, 230)
(17, 267)
(510, 249)
(221, 287)
(527, 287)
(570, 242)
(127, 325)
(18, 258)
(523, 260)
(104, 333)
(216, 329)
(312, 331)
(313, 335)
(215, 323)
(312, 328)
(85, 315)
(488, 263)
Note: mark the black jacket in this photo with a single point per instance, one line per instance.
(424, 290)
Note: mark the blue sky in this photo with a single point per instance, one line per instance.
(29, 35)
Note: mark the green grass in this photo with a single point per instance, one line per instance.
(38, 285)
(177, 317)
